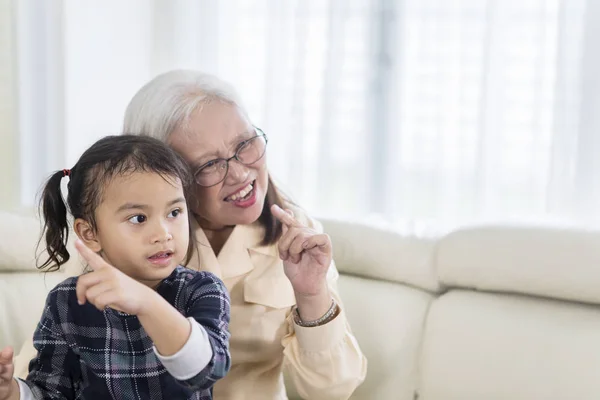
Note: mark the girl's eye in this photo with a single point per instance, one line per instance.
(174, 213)
(137, 219)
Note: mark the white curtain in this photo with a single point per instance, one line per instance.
(448, 112)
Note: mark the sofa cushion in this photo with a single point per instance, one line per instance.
(22, 298)
(388, 322)
(549, 262)
(20, 234)
(378, 253)
(500, 346)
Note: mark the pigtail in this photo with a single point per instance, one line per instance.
(56, 227)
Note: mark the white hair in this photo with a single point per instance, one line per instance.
(167, 102)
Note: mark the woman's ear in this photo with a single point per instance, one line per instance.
(86, 233)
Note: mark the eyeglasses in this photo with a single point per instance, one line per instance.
(247, 153)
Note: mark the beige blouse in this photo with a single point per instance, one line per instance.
(324, 362)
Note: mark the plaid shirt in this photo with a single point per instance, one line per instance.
(84, 353)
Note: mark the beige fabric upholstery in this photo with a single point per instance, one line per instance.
(19, 250)
(19, 236)
(384, 254)
(22, 298)
(499, 347)
(398, 322)
(548, 262)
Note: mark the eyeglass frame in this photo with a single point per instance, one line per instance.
(259, 133)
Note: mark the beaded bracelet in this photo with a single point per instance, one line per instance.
(328, 316)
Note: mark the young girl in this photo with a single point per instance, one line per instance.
(138, 326)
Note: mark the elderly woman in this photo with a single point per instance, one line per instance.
(274, 260)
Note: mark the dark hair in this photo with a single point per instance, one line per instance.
(273, 228)
(108, 157)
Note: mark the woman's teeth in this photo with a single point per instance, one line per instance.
(242, 193)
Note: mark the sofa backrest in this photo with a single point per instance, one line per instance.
(546, 262)
(512, 313)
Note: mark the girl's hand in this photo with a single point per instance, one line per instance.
(9, 388)
(306, 255)
(106, 286)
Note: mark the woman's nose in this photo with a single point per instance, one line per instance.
(238, 172)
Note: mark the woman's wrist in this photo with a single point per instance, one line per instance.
(329, 316)
(313, 307)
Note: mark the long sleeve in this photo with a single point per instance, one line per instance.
(25, 392)
(192, 358)
(49, 376)
(324, 362)
(209, 306)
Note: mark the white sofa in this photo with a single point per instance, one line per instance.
(481, 313)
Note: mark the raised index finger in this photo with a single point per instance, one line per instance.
(94, 260)
(6, 355)
(284, 217)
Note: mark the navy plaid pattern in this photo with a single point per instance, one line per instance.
(84, 353)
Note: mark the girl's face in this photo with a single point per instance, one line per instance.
(218, 131)
(142, 226)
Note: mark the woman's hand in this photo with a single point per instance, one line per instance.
(106, 286)
(9, 389)
(306, 256)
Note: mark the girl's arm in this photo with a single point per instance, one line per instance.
(195, 350)
(168, 329)
(205, 358)
(208, 305)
